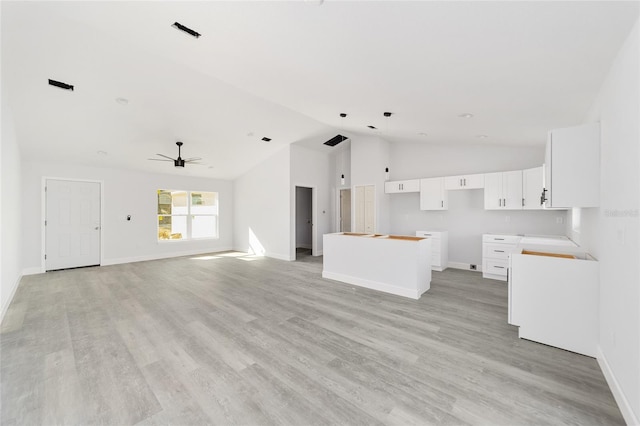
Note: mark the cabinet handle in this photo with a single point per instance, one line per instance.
(523, 202)
(498, 239)
(499, 202)
(543, 196)
(460, 182)
(499, 267)
(499, 251)
(465, 181)
(441, 203)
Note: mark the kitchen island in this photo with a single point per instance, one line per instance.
(395, 264)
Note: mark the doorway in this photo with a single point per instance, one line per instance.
(72, 221)
(365, 203)
(304, 222)
(344, 210)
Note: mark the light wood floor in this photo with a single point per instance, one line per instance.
(241, 340)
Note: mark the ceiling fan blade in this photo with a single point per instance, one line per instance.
(157, 159)
(162, 155)
(187, 160)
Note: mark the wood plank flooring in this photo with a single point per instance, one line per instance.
(232, 339)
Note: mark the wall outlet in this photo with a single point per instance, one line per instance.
(560, 220)
(473, 267)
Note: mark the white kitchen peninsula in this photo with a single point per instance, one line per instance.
(395, 264)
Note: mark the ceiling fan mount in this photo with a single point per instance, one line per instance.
(177, 162)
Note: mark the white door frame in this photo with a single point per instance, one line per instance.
(314, 220)
(43, 216)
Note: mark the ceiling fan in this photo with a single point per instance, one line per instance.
(177, 162)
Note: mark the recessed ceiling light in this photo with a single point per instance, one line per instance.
(387, 114)
(422, 134)
(343, 115)
(266, 139)
(187, 30)
(372, 127)
(482, 136)
(466, 115)
(122, 101)
(61, 85)
(102, 153)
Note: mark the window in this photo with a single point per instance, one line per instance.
(186, 215)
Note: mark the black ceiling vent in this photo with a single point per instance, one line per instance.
(336, 140)
(187, 30)
(61, 85)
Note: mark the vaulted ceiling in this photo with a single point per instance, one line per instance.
(286, 70)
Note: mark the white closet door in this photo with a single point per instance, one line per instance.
(72, 236)
(365, 209)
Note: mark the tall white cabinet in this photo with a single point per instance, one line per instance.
(572, 167)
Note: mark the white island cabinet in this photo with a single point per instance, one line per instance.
(395, 264)
(553, 297)
(439, 248)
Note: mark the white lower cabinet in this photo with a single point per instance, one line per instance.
(439, 248)
(495, 255)
(554, 300)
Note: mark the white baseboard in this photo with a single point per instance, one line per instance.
(7, 302)
(623, 403)
(120, 260)
(32, 271)
(318, 253)
(463, 266)
(279, 256)
(374, 285)
(304, 246)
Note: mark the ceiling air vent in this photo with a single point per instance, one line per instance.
(187, 30)
(336, 140)
(61, 85)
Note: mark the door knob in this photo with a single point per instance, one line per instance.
(97, 227)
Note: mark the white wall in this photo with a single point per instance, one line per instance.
(611, 231)
(311, 168)
(303, 217)
(10, 211)
(369, 158)
(466, 219)
(262, 208)
(124, 193)
(340, 159)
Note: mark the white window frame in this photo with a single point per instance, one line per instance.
(189, 215)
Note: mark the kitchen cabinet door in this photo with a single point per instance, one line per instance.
(572, 167)
(532, 186)
(433, 196)
(401, 186)
(503, 190)
(464, 182)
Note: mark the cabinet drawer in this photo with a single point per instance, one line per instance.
(498, 251)
(500, 239)
(436, 260)
(434, 235)
(496, 267)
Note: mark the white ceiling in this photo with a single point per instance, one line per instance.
(286, 70)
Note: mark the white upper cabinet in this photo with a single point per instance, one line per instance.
(503, 190)
(433, 196)
(572, 167)
(399, 186)
(464, 182)
(532, 186)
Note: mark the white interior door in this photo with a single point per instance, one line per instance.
(365, 214)
(345, 210)
(72, 224)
